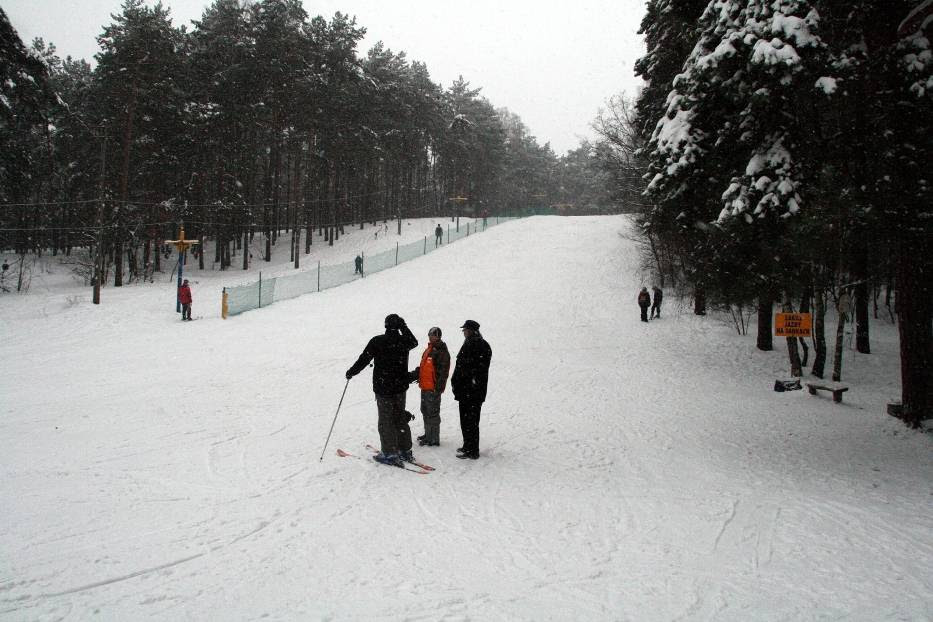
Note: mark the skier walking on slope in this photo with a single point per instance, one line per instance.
(432, 380)
(438, 236)
(644, 301)
(469, 381)
(184, 297)
(389, 352)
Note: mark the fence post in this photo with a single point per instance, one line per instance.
(425, 245)
(223, 304)
(260, 290)
(396, 253)
(363, 267)
(319, 276)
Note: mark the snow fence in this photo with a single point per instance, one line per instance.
(265, 292)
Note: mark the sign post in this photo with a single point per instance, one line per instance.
(458, 201)
(181, 244)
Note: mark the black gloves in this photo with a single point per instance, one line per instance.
(413, 374)
(349, 375)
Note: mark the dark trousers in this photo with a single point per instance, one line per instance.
(656, 309)
(644, 314)
(394, 431)
(431, 410)
(438, 240)
(186, 311)
(469, 425)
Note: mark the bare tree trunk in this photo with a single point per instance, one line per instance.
(699, 301)
(98, 256)
(862, 342)
(840, 336)
(887, 299)
(860, 272)
(131, 263)
(656, 255)
(298, 209)
(246, 248)
(124, 181)
(792, 352)
(765, 309)
(147, 257)
(332, 195)
(914, 312)
(805, 308)
(819, 333)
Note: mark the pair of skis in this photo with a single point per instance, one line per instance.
(416, 467)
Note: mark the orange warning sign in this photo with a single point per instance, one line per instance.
(792, 324)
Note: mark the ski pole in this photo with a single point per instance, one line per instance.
(335, 419)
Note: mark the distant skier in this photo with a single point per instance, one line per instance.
(358, 262)
(432, 380)
(656, 302)
(438, 236)
(390, 384)
(644, 301)
(184, 297)
(469, 380)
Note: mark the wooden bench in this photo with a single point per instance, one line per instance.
(836, 391)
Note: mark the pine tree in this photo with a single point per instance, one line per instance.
(729, 159)
(27, 102)
(139, 85)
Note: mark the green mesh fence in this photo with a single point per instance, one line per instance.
(265, 292)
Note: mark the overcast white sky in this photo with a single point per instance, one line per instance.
(554, 63)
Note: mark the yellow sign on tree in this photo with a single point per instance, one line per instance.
(792, 324)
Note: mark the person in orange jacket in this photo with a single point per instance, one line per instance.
(184, 297)
(432, 380)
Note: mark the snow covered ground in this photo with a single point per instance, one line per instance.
(154, 469)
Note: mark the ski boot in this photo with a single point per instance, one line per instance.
(389, 459)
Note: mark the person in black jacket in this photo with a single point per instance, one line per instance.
(656, 302)
(390, 384)
(469, 381)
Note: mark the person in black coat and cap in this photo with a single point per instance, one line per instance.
(469, 381)
(390, 384)
(656, 302)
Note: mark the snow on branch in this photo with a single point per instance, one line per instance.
(768, 184)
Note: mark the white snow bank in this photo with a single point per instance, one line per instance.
(154, 469)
